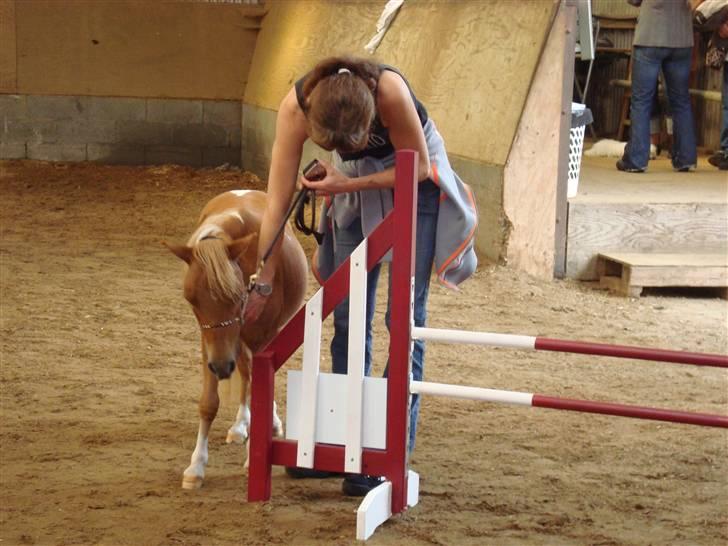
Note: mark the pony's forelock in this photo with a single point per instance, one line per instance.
(223, 277)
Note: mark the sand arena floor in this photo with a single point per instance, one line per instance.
(99, 384)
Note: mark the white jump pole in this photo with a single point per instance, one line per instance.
(551, 402)
(474, 338)
(471, 393)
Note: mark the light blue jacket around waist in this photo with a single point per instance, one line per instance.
(455, 258)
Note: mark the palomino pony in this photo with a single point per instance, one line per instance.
(221, 255)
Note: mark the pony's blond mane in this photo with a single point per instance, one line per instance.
(223, 277)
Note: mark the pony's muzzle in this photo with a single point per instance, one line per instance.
(221, 370)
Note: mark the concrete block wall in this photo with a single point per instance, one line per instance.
(133, 131)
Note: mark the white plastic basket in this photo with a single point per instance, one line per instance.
(576, 145)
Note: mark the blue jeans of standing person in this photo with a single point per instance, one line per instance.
(428, 205)
(724, 100)
(675, 65)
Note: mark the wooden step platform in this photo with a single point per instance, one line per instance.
(627, 273)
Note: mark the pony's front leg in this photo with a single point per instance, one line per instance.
(277, 432)
(238, 432)
(209, 403)
(277, 424)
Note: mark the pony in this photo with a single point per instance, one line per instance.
(221, 255)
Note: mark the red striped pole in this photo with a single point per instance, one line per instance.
(626, 351)
(552, 402)
(532, 343)
(638, 412)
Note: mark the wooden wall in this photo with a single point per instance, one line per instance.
(531, 173)
(126, 48)
(471, 63)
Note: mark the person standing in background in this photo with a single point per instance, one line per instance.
(712, 15)
(663, 41)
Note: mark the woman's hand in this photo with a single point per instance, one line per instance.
(254, 306)
(723, 33)
(334, 182)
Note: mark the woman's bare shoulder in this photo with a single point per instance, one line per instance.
(393, 97)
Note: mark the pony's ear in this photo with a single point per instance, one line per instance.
(181, 251)
(238, 247)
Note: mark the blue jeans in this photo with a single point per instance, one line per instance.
(675, 65)
(724, 100)
(428, 206)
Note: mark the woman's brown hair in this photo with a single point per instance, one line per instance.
(340, 104)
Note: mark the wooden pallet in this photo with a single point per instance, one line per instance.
(627, 273)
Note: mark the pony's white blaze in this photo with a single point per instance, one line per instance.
(212, 226)
(240, 193)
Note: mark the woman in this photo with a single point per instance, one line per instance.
(363, 112)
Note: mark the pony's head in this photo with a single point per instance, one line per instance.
(215, 286)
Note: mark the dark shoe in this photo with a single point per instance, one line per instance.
(720, 160)
(622, 165)
(302, 473)
(358, 485)
(684, 168)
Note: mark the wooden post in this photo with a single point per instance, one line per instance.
(261, 427)
(403, 261)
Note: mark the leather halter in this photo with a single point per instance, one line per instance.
(223, 324)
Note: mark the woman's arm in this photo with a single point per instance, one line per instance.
(398, 113)
(286, 157)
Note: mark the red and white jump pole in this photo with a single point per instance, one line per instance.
(584, 406)
(569, 346)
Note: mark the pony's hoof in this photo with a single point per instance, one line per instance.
(235, 438)
(191, 482)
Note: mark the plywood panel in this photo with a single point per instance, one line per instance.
(531, 173)
(471, 63)
(8, 66)
(134, 48)
(666, 228)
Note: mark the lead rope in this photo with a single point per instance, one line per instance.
(305, 196)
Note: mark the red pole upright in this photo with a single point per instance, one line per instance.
(403, 263)
(261, 427)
